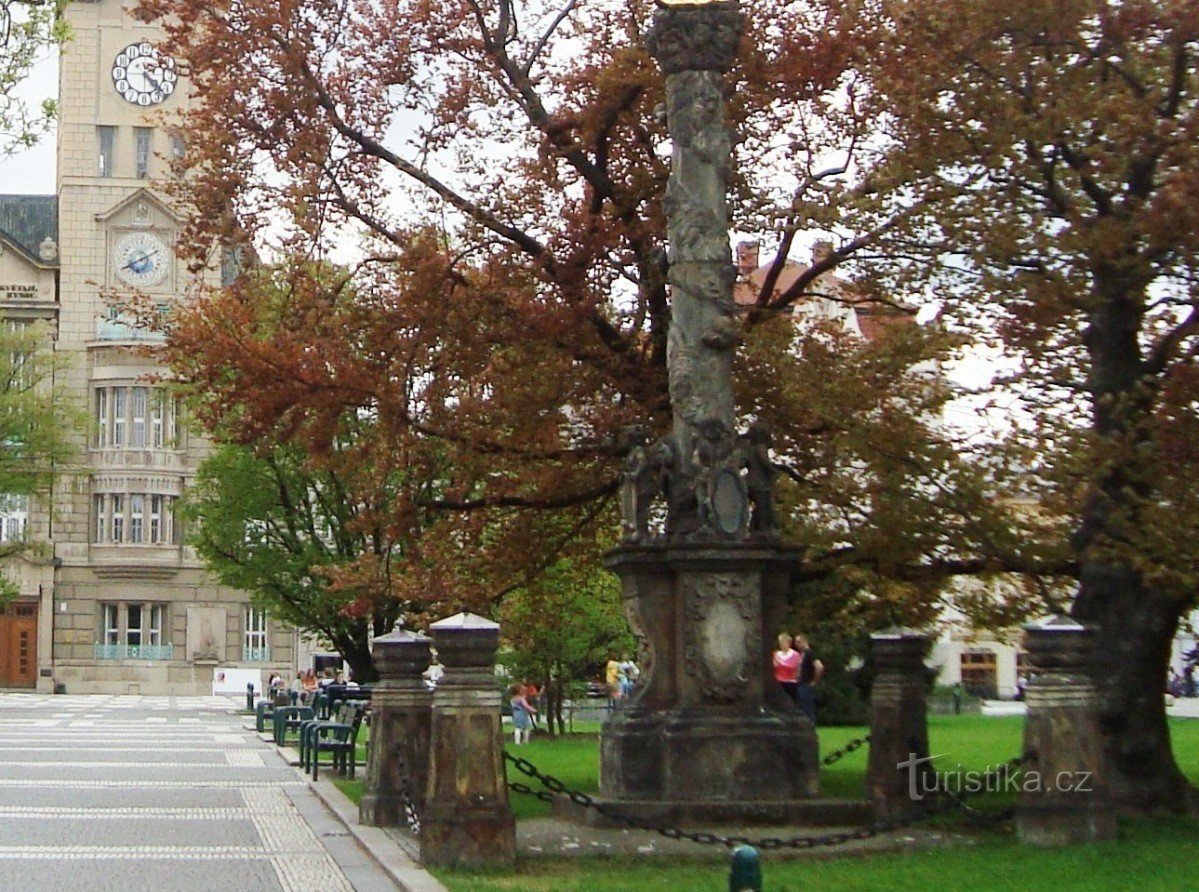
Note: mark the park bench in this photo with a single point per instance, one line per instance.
(339, 738)
(289, 718)
(339, 714)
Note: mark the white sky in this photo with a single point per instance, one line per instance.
(31, 172)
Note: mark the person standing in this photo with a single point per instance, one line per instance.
(522, 714)
(786, 661)
(811, 670)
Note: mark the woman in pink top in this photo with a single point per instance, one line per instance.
(786, 666)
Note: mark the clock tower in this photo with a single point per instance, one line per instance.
(133, 610)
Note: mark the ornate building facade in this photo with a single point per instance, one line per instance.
(113, 601)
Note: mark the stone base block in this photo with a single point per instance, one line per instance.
(1065, 825)
(382, 810)
(457, 839)
(800, 813)
(710, 755)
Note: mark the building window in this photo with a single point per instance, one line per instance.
(143, 137)
(107, 137)
(118, 517)
(102, 417)
(137, 515)
(112, 631)
(138, 637)
(138, 440)
(980, 674)
(120, 402)
(14, 517)
(256, 648)
(162, 422)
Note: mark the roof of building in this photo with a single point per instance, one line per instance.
(28, 220)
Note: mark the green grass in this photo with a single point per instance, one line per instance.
(1154, 854)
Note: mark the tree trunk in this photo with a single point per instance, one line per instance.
(1136, 629)
(1136, 625)
(355, 650)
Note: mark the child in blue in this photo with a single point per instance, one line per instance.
(522, 714)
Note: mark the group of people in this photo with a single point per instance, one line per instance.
(798, 671)
(306, 684)
(621, 676)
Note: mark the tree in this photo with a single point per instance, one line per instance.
(301, 540)
(35, 423)
(560, 627)
(1050, 162)
(27, 31)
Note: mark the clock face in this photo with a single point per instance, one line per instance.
(141, 259)
(144, 76)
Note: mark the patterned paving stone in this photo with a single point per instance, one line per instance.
(159, 793)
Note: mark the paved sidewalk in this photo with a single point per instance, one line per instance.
(161, 793)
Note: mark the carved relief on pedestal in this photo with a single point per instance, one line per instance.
(721, 633)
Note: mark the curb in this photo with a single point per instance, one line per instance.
(388, 853)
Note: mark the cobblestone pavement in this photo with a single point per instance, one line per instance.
(160, 793)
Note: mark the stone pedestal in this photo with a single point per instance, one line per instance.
(467, 821)
(899, 775)
(398, 766)
(1064, 794)
(708, 731)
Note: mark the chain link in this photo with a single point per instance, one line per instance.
(837, 755)
(944, 802)
(410, 814)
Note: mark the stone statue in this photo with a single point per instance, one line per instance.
(641, 485)
(754, 450)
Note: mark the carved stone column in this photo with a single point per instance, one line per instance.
(467, 819)
(400, 727)
(898, 765)
(695, 46)
(1064, 793)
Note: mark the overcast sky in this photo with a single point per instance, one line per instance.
(32, 171)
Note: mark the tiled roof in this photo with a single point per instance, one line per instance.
(27, 220)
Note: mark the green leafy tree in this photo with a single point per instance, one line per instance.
(302, 540)
(27, 32)
(36, 422)
(561, 626)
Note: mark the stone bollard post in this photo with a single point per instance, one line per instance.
(398, 765)
(467, 821)
(899, 774)
(1063, 792)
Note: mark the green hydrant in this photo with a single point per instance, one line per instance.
(745, 874)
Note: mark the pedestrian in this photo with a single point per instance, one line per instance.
(297, 689)
(612, 677)
(522, 714)
(629, 673)
(811, 670)
(786, 667)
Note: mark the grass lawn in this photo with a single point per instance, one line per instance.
(1152, 854)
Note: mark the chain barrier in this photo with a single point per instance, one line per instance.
(410, 814)
(945, 801)
(837, 755)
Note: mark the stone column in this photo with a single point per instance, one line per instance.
(467, 821)
(398, 765)
(898, 766)
(1063, 795)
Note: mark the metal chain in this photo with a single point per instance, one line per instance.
(837, 755)
(410, 814)
(555, 787)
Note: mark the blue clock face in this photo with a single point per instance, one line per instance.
(141, 259)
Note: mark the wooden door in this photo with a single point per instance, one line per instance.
(18, 648)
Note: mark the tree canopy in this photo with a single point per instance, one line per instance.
(499, 169)
(28, 31)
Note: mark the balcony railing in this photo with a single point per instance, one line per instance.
(112, 330)
(256, 654)
(135, 651)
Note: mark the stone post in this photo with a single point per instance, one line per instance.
(467, 821)
(898, 766)
(398, 764)
(1063, 794)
